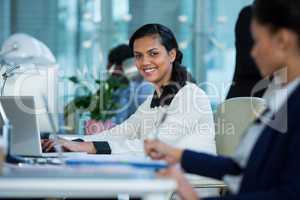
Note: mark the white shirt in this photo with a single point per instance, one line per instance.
(188, 124)
(275, 96)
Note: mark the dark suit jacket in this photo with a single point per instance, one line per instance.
(273, 168)
(246, 73)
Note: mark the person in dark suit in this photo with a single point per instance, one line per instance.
(246, 73)
(266, 165)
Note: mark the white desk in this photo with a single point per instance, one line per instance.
(205, 182)
(30, 184)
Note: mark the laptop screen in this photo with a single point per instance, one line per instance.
(25, 136)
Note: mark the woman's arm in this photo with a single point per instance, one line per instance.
(120, 139)
(189, 122)
(123, 138)
(208, 165)
(191, 161)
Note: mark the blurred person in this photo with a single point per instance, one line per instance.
(116, 56)
(178, 113)
(246, 74)
(136, 91)
(266, 164)
(124, 93)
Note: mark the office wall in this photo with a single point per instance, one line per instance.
(156, 11)
(4, 20)
(37, 18)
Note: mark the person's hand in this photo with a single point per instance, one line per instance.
(184, 188)
(47, 145)
(161, 151)
(68, 145)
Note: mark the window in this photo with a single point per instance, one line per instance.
(81, 32)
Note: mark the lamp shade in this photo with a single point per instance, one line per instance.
(21, 48)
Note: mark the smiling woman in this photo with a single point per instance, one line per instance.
(156, 53)
(183, 106)
(155, 63)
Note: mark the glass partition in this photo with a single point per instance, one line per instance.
(81, 32)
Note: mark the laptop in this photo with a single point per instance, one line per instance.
(25, 135)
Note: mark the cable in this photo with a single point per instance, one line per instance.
(6, 74)
(3, 85)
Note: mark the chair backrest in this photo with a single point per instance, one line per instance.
(232, 118)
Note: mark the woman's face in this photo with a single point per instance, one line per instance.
(266, 50)
(152, 59)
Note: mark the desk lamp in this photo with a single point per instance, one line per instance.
(21, 50)
(24, 56)
(6, 129)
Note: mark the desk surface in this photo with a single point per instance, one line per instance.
(27, 182)
(41, 181)
(60, 188)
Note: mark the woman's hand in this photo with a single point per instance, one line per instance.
(161, 151)
(184, 188)
(68, 145)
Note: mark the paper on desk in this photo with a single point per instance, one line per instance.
(61, 171)
(135, 161)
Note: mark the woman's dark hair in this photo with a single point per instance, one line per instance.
(168, 40)
(278, 14)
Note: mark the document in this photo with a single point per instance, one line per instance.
(135, 161)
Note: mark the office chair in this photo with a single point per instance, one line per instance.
(232, 118)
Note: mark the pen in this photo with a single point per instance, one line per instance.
(158, 123)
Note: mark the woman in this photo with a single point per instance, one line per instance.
(187, 108)
(246, 74)
(266, 164)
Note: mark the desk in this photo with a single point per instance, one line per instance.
(208, 186)
(205, 182)
(19, 183)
